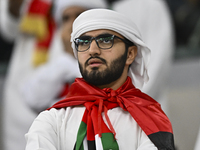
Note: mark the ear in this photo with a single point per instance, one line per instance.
(132, 53)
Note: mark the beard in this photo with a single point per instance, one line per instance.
(108, 75)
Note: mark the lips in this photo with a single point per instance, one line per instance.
(94, 62)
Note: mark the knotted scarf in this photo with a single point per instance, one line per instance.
(145, 110)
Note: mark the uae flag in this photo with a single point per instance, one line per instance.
(93, 133)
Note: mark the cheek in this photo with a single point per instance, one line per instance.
(82, 58)
(113, 54)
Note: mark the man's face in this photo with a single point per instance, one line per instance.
(102, 66)
(68, 17)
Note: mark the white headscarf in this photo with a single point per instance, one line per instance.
(108, 19)
(61, 5)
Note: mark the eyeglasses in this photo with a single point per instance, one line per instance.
(103, 41)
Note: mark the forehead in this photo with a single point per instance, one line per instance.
(95, 33)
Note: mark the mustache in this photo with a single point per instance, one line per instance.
(97, 57)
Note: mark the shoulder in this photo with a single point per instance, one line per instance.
(128, 133)
(57, 115)
(54, 119)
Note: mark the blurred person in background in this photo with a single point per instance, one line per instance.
(37, 41)
(5, 54)
(51, 81)
(17, 117)
(154, 21)
(6, 44)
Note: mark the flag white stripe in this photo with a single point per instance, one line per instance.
(98, 142)
(85, 144)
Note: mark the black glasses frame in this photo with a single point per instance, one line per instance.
(126, 41)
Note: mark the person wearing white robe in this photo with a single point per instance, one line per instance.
(42, 88)
(57, 128)
(17, 115)
(155, 24)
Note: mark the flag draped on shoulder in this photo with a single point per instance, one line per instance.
(95, 134)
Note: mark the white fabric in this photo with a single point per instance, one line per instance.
(107, 19)
(60, 5)
(8, 25)
(154, 22)
(17, 116)
(41, 89)
(57, 130)
(98, 142)
(197, 143)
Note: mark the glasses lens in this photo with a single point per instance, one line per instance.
(82, 43)
(105, 41)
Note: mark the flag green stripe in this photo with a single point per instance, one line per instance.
(81, 135)
(109, 142)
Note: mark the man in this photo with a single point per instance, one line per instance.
(103, 110)
(51, 81)
(17, 115)
(154, 22)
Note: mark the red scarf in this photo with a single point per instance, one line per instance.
(145, 110)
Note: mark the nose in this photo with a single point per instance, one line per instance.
(94, 49)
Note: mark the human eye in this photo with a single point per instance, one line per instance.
(83, 41)
(106, 39)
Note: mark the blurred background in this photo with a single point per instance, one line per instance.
(182, 82)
